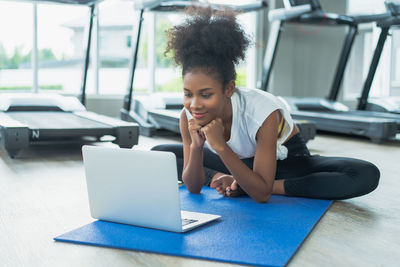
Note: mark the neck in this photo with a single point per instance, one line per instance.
(227, 112)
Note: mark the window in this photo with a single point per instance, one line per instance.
(384, 83)
(61, 44)
(15, 46)
(395, 67)
(117, 27)
(129, 41)
(169, 77)
(62, 37)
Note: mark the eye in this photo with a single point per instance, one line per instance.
(206, 95)
(187, 94)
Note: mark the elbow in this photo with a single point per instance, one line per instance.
(194, 191)
(192, 187)
(262, 199)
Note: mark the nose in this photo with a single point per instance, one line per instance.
(196, 103)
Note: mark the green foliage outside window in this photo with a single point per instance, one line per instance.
(18, 57)
(176, 84)
(28, 88)
(161, 43)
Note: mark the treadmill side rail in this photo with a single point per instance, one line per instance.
(126, 133)
(126, 136)
(14, 135)
(376, 129)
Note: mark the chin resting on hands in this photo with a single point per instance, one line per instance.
(214, 133)
(196, 133)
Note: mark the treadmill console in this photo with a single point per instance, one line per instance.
(393, 7)
(75, 2)
(315, 5)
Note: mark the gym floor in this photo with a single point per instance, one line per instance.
(43, 194)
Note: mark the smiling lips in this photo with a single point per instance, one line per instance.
(199, 115)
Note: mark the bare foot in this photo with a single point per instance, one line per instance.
(223, 185)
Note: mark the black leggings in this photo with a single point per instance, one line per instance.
(305, 175)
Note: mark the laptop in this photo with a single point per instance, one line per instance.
(138, 188)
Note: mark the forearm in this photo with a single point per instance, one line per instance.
(193, 173)
(252, 183)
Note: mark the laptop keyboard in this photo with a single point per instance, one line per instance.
(187, 221)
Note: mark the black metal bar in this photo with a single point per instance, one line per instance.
(87, 56)
(132, 68)
(362, 103)
(343, 60)
(270, 53)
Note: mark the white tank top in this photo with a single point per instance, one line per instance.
(250, 108)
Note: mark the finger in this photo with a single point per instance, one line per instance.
(204, 129)
(201, 133)
(228, 191)
(216, 183)
(219, 120)
(234, 194)
(234, 186)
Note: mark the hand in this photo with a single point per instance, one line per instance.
(214, 133)
(196, 134)
(227, 186)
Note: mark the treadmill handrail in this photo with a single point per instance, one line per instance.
(70, 2)
(288, 13)
(389, 22)
(168, 6)
(318, 16)
(371, 18)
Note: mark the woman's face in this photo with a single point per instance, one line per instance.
(204, 97)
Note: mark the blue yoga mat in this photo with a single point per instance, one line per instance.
(247, 233)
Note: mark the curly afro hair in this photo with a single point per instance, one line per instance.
(212, 41)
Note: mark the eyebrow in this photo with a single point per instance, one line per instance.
(201, 90)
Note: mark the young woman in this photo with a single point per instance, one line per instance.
(242, 141)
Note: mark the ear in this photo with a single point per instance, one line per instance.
(230, 88)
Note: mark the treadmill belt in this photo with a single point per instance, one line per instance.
(55, 120)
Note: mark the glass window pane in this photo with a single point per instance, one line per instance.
(365, 6)
(395, 72)
(15, 46)
(116, 19)
(168, 75)
(61, 44)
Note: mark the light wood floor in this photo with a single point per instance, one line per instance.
(43, 194)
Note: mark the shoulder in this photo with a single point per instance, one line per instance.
(255, 97)
(268, 131)
(256, 105)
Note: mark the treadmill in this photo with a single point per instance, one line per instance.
(328, 114)
(34, 119)
(382, 104)
(159, 112)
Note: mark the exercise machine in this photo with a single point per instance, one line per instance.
(34, 119)
(328, 114)
(159, 112)
(381, 104)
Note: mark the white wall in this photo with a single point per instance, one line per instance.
(307, 56)
(109, 106)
